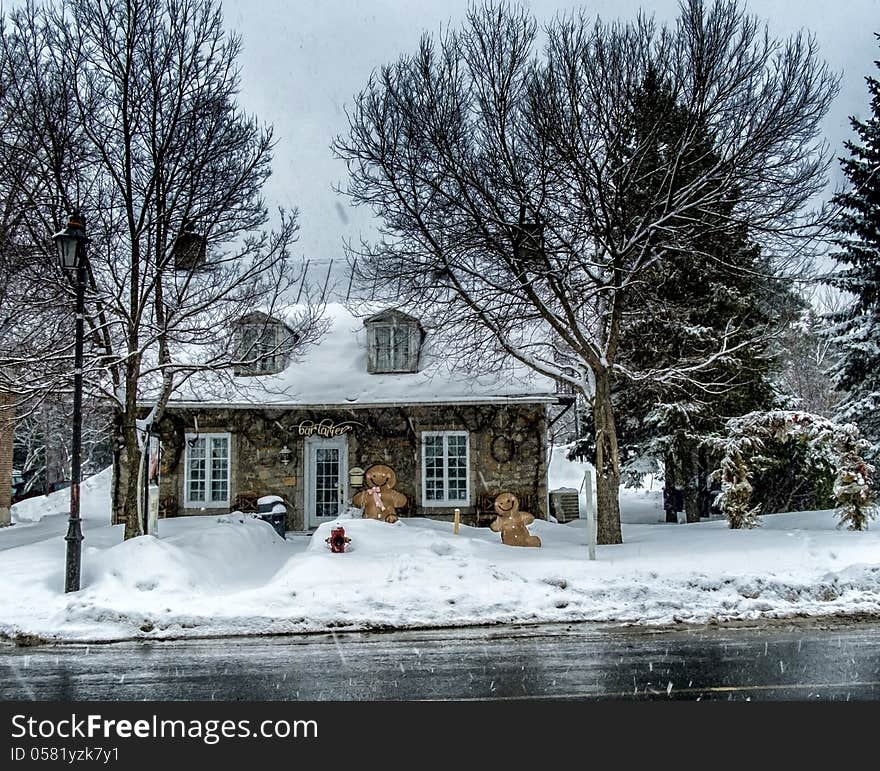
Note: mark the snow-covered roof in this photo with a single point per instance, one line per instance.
(391, 314)
(334, 372)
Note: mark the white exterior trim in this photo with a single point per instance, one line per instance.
(445, 502)
(311, 443)
(188, 503)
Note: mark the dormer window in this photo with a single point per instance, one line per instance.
(394, 340)
(262, 345)
(392, 348)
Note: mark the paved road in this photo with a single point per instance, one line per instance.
(791, 661)
(50, 526)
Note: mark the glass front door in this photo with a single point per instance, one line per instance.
(327, 488)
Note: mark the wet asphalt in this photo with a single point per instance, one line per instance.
(776, 660)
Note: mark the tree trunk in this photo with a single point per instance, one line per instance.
(54, 474)
(691, 502)
(670, 492)
(125, 476)
(607, 463)
(704, 497)
(7, 442)
(119, 483)
(689, 466)
(133, 524)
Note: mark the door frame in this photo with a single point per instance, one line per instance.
(312, 443)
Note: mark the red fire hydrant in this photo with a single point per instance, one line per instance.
(337, 540)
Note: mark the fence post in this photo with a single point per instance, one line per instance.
(587, 487)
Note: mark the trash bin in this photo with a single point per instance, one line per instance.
(271, 509)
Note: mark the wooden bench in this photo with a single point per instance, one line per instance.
(245, 502)
(485, 508)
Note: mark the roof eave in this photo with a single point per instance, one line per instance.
(475, 401)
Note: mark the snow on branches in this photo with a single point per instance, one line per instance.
(838, 444)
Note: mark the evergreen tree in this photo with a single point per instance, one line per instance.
(713, 285)
(856, 331)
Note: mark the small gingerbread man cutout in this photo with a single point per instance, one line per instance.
(511, 522)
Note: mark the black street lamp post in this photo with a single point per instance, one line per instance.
(71, 243)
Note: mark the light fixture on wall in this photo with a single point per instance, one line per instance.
(356, 476)
(285, 455)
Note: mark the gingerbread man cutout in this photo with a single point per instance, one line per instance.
(511, 522)
(379, 499)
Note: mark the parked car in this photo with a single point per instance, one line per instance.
(17, 482)
(20, 481)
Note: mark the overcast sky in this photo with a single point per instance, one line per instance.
(304, 61)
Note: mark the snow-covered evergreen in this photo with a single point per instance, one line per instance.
(856, 330)
(715, 285)
(828, 444)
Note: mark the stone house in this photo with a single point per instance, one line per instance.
(370, 391)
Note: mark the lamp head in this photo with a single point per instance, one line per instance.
(71, 241)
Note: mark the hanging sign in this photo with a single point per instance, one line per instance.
(325, 427)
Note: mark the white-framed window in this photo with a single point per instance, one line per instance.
(391, 347)
(445, 468)
(207, 465)
(261, 346)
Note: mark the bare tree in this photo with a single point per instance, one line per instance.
(807, 354)
(43, 441)
(129, 111)
(521, 204)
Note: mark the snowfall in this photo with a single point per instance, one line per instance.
(233, 575)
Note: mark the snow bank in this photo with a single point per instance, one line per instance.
(94, 501)
(215, 575)
(197, 563)
(197, 556)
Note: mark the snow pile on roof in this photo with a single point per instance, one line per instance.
(334, 371)
(231, 574)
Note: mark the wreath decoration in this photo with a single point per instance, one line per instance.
(503, 449)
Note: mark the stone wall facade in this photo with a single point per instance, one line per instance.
(507, 446)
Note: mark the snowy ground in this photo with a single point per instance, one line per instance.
(231, 574)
